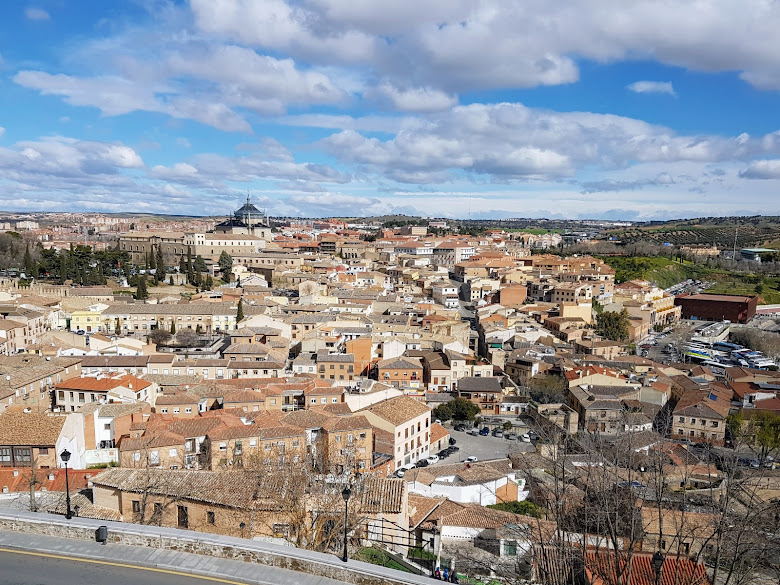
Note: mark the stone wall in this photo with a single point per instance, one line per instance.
(290, 558)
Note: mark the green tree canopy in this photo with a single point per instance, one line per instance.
(613, 325)
(225, 264)
(457, 409)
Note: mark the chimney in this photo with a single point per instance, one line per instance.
(51, 477)
(16, 473)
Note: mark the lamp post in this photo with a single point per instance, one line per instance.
(345, 493)
(657, 563)
(65, 456)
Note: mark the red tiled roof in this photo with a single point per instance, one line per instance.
(600, 570)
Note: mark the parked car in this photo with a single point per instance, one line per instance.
(444, 453)
(474, 431)
(452, 441)
(484, 432)
(498, 433)
(460, 428)
(471, 459)
(534, 436)
(432, 459)
(453, 448)
(526, 438)
(511, 436)
(422, 463)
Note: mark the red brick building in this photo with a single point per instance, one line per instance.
(710, 307)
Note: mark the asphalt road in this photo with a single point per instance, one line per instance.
(17, 568)
(484, 448)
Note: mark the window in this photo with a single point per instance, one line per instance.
(81, 397)
(154, 457)
(107, 427)
(182, 517)
(43, 451)
(173, 452)
(176, 410)
(510, 549)
(136, 506)
(223, 446)
(188, 410)
(157, 509)
(210, 518)
(164, 410)
(5, 456)
(714, 424)
(137, 456)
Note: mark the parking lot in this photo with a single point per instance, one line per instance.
(484, 448)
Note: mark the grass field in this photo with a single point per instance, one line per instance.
(665, 272)
(379, 557)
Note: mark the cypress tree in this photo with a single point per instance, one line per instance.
(160, 264)
(240, 311)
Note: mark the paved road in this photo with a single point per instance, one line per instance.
(22, 568)
(488, 447)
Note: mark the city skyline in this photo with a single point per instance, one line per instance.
(457, 109)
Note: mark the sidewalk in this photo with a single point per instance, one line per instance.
(160, 559)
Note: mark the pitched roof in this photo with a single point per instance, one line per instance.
(600, 569)
(398, 410)
(30, 428)
(381, 494)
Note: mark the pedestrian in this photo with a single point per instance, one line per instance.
(437, 574)
(446, 574)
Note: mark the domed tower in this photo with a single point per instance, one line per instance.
(249, 214)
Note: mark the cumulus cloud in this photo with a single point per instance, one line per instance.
(459, 45)
(36, 14)
(651, 87)
(416, 99)
(762, 169)
(509, 141)
(208, 84)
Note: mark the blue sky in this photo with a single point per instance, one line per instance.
(457, 108)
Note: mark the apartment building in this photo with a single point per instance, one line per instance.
(409, 421)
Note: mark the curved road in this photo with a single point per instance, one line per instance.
(29, 568)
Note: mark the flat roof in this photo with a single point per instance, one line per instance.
(721, 298)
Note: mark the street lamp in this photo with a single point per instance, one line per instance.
(657, 563)
(65, 456)
(345, 493)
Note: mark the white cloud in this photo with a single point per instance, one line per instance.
(509, 141)
(459, 45)
(183, 142)
(651, 87)
(416, 99)
(2, 130)
(762, 169)
(36, 14)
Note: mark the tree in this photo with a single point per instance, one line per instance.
(240, 311)
(173, 328)
(190, 270)
(613, 325)
(140, 290)
(160, 261)
(160, 337)
(547, 388)
(508, 426)
(29, 264)
(187, 337)
(525, 508)
(225, 265)
(457, 409)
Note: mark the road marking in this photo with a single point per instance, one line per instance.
(123, 565)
